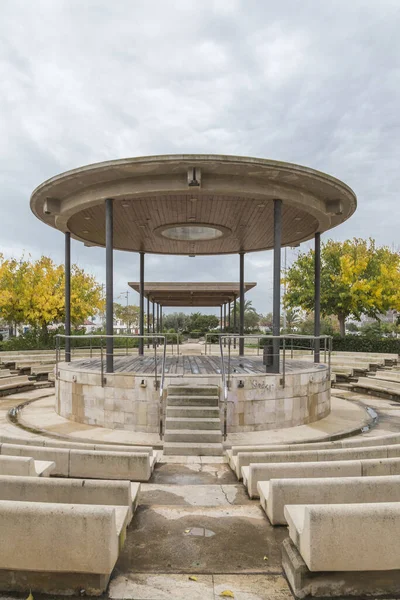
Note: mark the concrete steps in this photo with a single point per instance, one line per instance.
(193, 435)
(192, 449)
(193, 400)
(193, 425)
(195, 412)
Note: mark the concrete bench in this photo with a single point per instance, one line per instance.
(14, 384)
(278, 493)
(393, 376)
(134, 466)
(246, 458)
(72, 445)
(379, 387)
(24, 466)
(255, 473)
(343, 549)
(5, 373)
(53, 548)
(71, 491)
(353, 442)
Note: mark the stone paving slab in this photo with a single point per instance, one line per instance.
(193, 474)
(205, 540)
(193, 495)
(253, 587)
(207, 587)
(161, 587)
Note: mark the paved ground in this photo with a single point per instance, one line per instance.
(345, 417)
(195, 520)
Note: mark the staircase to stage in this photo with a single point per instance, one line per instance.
(193, 424)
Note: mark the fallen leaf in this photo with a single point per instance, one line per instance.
(30, 597)
(227, 594)
(265, 557)
(192, 578)
(187, 530)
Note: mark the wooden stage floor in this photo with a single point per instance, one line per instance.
(193, 365)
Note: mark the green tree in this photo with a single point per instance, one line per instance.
(128, 314)
(293, 320)
(357, 278)
(32, 292)
(177, 321)
(251, 317)
(203, 323)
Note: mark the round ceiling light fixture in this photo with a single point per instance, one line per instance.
(192, 232)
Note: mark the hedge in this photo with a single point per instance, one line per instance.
(358, 343)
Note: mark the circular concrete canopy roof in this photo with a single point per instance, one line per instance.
(193, 203)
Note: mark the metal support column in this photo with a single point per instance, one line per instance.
(229, 317)
(225, 322)
(317, 296)
(276, 321)
(220, 320)
(158, 318)
(67, 296)
(148, 321)
(234, 321)
(161, 318)
(109, 286)
(141, 304)
(154, 316)
(241, 296)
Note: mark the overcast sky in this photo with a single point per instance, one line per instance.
(310, 82)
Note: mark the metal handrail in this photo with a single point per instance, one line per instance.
(229, 336)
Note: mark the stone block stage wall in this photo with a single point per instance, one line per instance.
(125, 403)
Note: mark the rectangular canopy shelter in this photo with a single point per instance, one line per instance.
(191, 293)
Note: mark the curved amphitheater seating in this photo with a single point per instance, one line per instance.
(88, 542)
(71, 491)
(5, 373)
(14, 384)
(343, 549)
(278, 493)
(136, 466)
(380, 387)
(243, 459)
(387, 376)
(371, 467)
(25, 466)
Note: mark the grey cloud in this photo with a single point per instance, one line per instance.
(309, 82)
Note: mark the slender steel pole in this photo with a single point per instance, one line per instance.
(109, 286)
(154, 316)
(229, 316)
(141, 304)
(317, 296)
(161, 318)
(158, 317)
(220, 320)
(276, 322)
(148, 321)
(241, 296)
(234, 322)
(67, 296)
(225, 323)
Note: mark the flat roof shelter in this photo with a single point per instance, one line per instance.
(193, 294)
(193, 205)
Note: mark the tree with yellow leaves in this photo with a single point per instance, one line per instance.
(357, 277)
(32, 292)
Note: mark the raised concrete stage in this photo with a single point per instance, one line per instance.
(129, 398)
